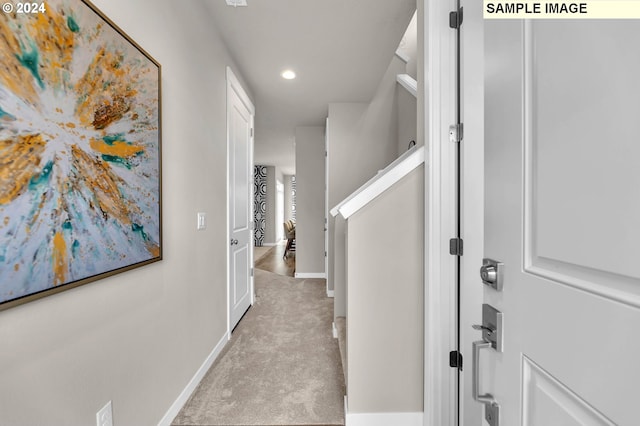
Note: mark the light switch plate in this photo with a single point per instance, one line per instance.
(202, 221)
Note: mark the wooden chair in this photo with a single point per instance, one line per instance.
(290, 235)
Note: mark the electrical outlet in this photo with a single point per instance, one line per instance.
(202, 221)
(104, 417)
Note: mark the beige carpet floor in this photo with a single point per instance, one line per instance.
(260, 251)
(282, 365)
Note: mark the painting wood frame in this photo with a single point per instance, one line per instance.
(80, 151)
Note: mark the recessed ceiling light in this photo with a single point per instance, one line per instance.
(236, 3)
(288, 74)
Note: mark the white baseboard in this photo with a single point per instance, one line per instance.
(381, 419)
(335, 330)
(269, 244)
(310, 275)
(330, 293)
(193, 383)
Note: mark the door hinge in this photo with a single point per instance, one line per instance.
(456, 132)
(455, 19)
(456, 246)
(251, 271)
(455, 360)
(252, 132)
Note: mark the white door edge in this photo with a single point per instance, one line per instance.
(251, 208)
(473, 202)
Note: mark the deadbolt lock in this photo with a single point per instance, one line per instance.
(492, 273)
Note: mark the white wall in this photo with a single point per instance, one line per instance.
(385, 331)
(288, 198)
(344, 146)
(279, 210)
(138, 338)
(279, 205)
(407, 109)
(310, 183)
(407, 105)
(408, 47)
(363, 139)
(380, 123)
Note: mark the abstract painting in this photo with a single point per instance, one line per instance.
(80, 140)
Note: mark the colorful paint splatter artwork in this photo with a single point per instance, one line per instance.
(79, 151)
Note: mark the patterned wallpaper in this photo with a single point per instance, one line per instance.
(260, 203)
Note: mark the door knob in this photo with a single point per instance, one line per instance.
(491, 273)
(233, 242)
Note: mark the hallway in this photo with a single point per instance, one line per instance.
(134, 345)
(282, 365)
(272, 259)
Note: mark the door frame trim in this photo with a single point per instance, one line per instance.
(436, 111)
(327, 249)
(233, 83)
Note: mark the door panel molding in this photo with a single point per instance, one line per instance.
(240, 221)
(562, 260)
(622, 289)
(546, 401)
(242, 264)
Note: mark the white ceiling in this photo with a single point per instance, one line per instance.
(339, 50)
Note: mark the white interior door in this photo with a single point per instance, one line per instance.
(562, 211)
(240, 112)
